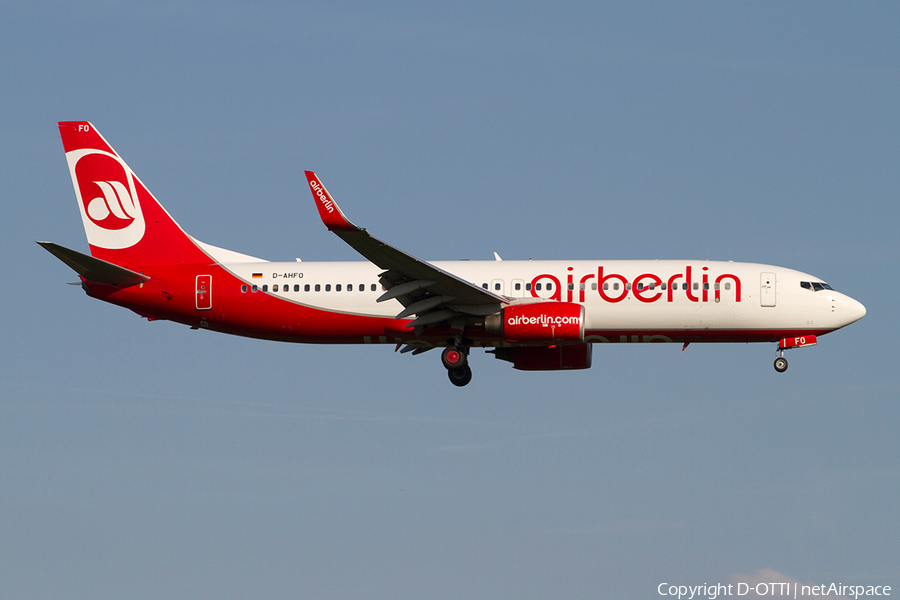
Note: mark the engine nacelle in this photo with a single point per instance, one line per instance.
(538, 323)
(543, 358)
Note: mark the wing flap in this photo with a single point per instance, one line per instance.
(403, 289)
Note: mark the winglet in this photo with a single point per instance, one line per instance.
(331, 214)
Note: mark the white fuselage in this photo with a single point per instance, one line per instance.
(618, 295)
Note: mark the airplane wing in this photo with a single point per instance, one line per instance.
(430, 293)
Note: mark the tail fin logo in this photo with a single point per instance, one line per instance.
(116, 200)
(108, 199)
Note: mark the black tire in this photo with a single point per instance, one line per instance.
(781, 364)
(461, 376)
(453, 358)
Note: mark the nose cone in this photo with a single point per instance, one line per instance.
(851, 311)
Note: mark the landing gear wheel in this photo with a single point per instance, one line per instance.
(460, 376)
(453, 358)
(781, 364)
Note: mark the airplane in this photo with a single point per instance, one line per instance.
(539, 315)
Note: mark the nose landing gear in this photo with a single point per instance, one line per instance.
(781, 364)
(797, 341)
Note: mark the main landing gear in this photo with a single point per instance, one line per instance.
(455, 360)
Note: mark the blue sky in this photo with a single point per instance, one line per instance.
(146, 460)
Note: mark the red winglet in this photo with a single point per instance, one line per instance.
(331, 215)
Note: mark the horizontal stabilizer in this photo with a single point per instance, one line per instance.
(94, 269)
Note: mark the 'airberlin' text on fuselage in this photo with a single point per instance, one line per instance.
(646, 287)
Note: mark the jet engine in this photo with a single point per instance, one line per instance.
(538, 323)
(546, 358)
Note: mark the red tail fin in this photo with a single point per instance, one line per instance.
(124, 223)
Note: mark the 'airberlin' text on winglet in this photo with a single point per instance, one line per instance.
(320, 193)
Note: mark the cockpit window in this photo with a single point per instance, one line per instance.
(815, 286)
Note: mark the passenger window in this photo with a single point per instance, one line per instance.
(662, 287)
(297, 287)
(640, 287)
(266, 287)
(327, 287)
(373, 287)
(306, 288)
(337, 287)
(571, 286)
(518, 286)
(537, 287)
(528, 287)
(318, 287)
(243, 289)
(706, 286)
(497, 287)
(716, 286)
(727, 285)
(696, 286)
(684, 285)
(484, 285)
(615, 285)
(627, 286)
(594, 286)
(582, 286)
(275, 288)
(549, 286)
(253, 288)
(349, 287)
